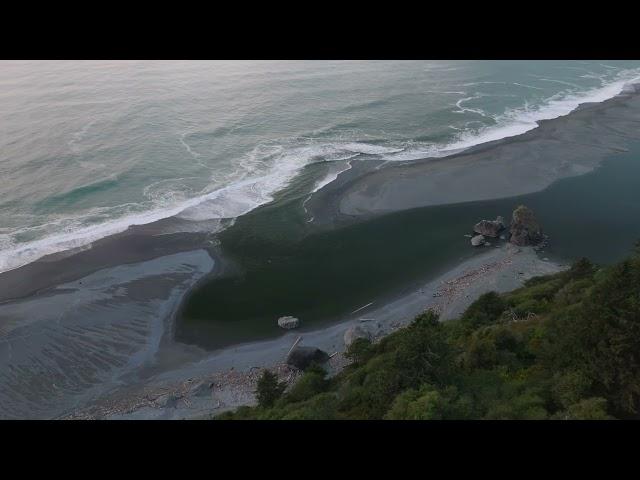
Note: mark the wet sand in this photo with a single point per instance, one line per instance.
(563, 147)
(137, 244)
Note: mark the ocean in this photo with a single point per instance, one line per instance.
(89, 148)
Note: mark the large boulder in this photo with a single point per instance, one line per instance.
(288, 322)
(525, 229)
(355, 332)
(302, 357)
(477, 241)
(489, 228)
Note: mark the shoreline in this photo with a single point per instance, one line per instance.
(226, 378)
(120, 341)
(372, 188)
(504, 168)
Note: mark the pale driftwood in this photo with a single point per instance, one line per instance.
(294, 345)
(333, 354)
(362, 307)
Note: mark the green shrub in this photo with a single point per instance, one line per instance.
(577, 358)
(269, 389)
(485, 310)
(588, 409)
(311, 383)
(359, 351)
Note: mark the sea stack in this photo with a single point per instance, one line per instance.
(525, 229)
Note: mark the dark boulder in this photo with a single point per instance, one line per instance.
(525, 229)
(302, 357)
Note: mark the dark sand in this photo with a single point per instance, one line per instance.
(563, 147)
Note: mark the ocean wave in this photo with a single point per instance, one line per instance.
(264, 171)
(517, 121)
(270, 167)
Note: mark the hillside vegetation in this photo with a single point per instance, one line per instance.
(564, 346)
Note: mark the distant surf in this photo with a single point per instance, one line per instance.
(272, 165)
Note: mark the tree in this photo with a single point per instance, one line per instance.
(269, 389)
(600, 337)
(360, 351)
(485, 310)
(588, 409)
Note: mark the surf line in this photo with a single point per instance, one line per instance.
(364, 306)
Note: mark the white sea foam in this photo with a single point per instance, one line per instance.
(270, 168)
(187, 147)
(520, 120)
(463, 109)
(263, 172)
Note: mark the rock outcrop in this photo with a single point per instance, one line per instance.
(302, 357)
(355, 332)
(489, 228)
(288, 322)
(525, 229)
(477, 241)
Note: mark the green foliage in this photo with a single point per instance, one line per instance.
(487, 309)
(311, 383)
(569, 387)
(603, 336)
(564, 346)
(429, 403)
(269, 389)
(360, 351)
(594, 408)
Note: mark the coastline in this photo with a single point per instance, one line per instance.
(226, 378)
(508, 167)
(152, 361)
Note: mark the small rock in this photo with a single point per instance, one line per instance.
(489, 228)
(477, 240)
(288, 322)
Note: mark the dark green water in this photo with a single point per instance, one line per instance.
(279, 266)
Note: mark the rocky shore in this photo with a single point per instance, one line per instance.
(211, 387)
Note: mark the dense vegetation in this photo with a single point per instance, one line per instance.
(564, 346)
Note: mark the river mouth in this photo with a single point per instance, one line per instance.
(278, 267)
(323, 258)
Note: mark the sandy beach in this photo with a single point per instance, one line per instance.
(226, 379)
(505, 168)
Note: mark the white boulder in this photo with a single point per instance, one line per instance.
(288, 322)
